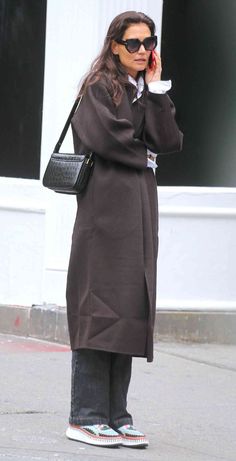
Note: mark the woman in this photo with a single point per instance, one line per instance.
(126, 118)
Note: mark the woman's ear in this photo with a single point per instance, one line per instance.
(114, 47)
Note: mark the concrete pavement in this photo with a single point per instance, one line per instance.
(185, 400)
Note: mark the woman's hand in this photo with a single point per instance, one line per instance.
(154, 74)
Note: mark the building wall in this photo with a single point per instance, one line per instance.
(198, 49)
(197, 249)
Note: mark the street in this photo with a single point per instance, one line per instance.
(185, 401)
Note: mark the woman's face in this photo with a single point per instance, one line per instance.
(138, 61)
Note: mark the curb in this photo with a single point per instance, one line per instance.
(49, 322)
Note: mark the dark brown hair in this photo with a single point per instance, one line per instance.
(107, 65)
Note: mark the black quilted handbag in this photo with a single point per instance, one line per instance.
(68, 173)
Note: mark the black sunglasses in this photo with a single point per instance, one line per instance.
(133, 44)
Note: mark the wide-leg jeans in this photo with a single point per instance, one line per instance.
(99, 387)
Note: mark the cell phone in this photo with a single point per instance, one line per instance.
(152, 61)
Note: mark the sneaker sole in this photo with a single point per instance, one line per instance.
(134, 443)
(81, 436)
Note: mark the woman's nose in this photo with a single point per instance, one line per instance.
(141, 49)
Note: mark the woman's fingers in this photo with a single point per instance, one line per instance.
(154, 74)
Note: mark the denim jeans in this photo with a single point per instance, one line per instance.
(99, 387)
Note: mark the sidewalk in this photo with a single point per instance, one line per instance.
(185, 400)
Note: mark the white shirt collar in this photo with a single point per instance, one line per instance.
(139, 84)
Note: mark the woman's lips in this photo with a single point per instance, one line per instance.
(140, 60)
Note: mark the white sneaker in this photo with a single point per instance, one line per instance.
(132, 438)
(96, 434)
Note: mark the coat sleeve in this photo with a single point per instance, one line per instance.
(161, 133)
(99, 129)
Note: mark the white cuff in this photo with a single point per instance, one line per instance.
(149, 152)
(151, 163)
(160, 86)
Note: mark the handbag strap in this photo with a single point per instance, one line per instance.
(67, 124)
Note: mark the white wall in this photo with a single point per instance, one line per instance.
(197, 248)
(197, 225)
(22, 242)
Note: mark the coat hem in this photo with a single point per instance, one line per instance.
(110, 350)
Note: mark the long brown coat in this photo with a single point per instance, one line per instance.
(111, 286)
